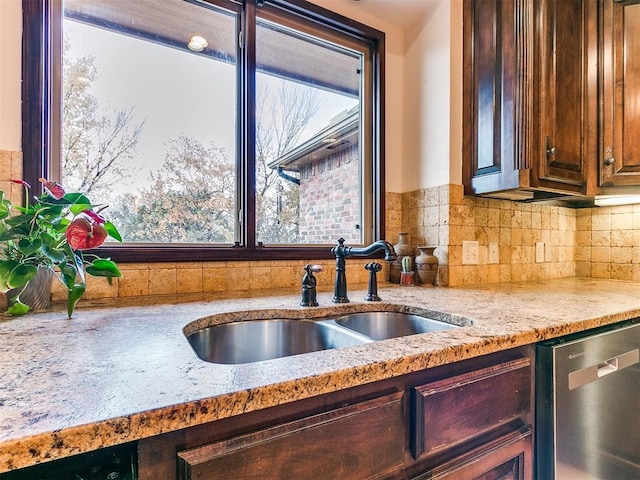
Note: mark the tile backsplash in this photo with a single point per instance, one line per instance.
(592, 242)
(599, 242)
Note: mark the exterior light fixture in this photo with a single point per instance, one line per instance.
(197, 43)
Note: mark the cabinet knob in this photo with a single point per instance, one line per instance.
(547, 143)
(609, 161)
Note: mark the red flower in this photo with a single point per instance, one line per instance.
(99, 219)
(22, 182)
(53, 189)
(84, 234)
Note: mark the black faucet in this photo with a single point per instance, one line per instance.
(341, 251)
(309, 286)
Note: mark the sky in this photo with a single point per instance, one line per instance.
(175, 93)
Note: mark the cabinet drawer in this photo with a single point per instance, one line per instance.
(363, 440)
(454, 410)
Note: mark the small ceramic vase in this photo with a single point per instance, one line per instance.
(403, 249)
(427, 265)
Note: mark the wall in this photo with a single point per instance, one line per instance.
(329, 189)
(423, 182)
(10, 76)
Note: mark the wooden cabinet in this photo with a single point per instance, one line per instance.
(476, 424)
(619, 162)
(509, 457)
(464, 420)
(565, 97)
(364, 440)
(497, 63)
(530, 97)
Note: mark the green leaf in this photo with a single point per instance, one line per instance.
(6, 267)
(28, 247)
(69, 274)
(103, 268)
(21, 275)
(79, 208)
(18, 308)
(74, 295)
(54, 254)
(19, 220)
(112, 231)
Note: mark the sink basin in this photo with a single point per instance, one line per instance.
(255, 340)
(384, 325)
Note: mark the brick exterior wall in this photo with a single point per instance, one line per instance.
(330, 198)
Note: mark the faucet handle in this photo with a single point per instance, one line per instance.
(309, 268)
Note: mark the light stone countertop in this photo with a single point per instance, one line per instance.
(116, 374)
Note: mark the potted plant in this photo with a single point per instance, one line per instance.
(407, 273)
(52, 234)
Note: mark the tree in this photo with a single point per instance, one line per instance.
(96, 147)
(282, 113)
(190, 199)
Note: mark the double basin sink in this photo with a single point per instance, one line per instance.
(255, 340)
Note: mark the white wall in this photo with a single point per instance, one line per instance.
(432, 80)
(423, 94)
(10, 73)
(423, 91)
(394, 86)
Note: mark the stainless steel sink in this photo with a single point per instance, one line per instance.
(384, 325)
(255, 340)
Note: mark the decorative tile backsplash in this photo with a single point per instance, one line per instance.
(534, 241)
(530, 241)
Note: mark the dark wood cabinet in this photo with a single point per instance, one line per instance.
(476, 424)
(463, 420)
(509, 457)
(364, 440)
(619, 162)
(530, 98)
(565, 105)
(497, 71)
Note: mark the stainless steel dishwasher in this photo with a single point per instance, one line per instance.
(588, 405)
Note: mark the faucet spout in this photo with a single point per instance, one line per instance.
(389, 253)
(342, 251)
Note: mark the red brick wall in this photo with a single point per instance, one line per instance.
(330, 198)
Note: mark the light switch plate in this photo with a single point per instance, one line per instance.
(539, 252)
(470, 252)
(494, 252)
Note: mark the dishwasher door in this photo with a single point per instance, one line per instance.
(588, 406)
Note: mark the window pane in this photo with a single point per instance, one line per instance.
(149, 122)
(309, 180)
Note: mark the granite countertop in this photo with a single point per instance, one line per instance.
(114, 374)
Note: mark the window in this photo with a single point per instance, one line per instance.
(212, 129)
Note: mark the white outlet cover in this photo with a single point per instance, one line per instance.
(470, 252)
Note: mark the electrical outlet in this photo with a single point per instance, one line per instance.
(539, 252)
(470, 252)
(494, 252)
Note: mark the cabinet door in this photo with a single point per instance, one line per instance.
(365, 440)
(464, 408)
(567, 62)
(507, 458)
(620, 144)
(495, 80)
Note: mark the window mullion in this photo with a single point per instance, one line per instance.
(247, 130)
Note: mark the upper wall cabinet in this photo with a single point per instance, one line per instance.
(565, 106)
(530, 97)
(619, 162)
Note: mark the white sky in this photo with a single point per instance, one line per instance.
(174, 92)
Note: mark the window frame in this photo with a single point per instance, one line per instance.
(41, 41)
